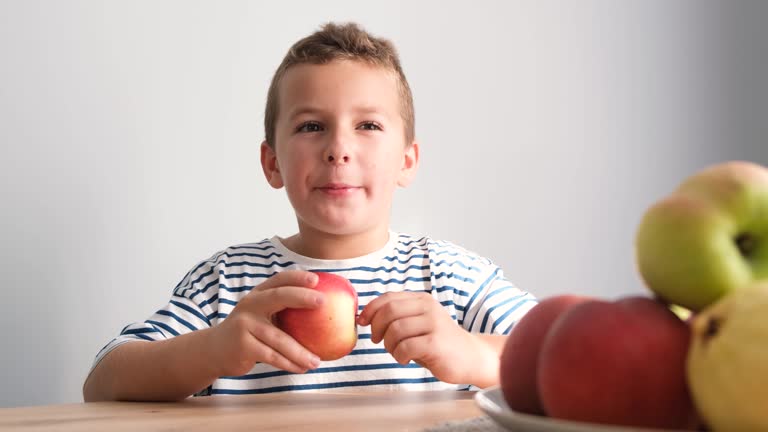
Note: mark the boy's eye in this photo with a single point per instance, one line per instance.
(309, 126)
(370, 126)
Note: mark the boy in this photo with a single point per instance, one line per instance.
(339, 138)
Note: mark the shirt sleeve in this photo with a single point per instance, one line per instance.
(495, 305)
(190, 308)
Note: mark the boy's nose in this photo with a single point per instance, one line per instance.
(337, 152)
(337, 158)
(337, 148)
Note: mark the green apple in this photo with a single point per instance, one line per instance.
(709, 237)
(727, 364)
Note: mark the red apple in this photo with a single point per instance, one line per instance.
(519, 359)
(329, 330)
(620, 363)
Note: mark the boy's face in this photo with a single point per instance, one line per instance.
(340, 147)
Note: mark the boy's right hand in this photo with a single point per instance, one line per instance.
(248, 335)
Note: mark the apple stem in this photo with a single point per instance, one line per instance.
(713, 326)
(746, 244)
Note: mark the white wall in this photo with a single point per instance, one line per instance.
(129, 136)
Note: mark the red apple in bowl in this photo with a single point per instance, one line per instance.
(330, 330)
(619, 363)
(519, 358)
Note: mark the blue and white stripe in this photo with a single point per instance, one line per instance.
(472, 290)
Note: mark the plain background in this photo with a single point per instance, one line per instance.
(130, 131)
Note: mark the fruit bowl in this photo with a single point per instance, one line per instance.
(491, 401)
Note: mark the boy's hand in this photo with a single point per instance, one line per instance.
(248, 335)
(414, 326)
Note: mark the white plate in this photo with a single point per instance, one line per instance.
(492, 403)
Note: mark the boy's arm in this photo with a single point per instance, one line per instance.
(486, 371)
(415, 326)
(164, 370)
(495, 342)
(177, 367)
(489, 321)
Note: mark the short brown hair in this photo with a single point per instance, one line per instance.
(341, 42)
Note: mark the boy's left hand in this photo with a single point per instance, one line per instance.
(415, 326)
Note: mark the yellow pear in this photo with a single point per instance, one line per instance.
(727, 364)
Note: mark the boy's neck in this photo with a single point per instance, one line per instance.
(321, 245)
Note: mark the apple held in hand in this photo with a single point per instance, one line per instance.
(620, 363)
(519, 358)
(707, 238)
(728, 361)
(330, 330)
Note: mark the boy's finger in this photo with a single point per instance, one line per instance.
(406, 328)
(274, 300)
(289, 349)
(267, 354)
(394, 310)
(373, 307)
(414, 348)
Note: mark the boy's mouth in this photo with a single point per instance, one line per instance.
(337, 186)
(338, 189)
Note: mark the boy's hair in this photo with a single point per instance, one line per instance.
(341, 42)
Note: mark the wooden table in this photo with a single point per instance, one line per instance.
(392, 411)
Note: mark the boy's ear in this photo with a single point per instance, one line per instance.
(410, 165)
(270, 166)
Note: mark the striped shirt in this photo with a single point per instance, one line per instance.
(472, 290)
